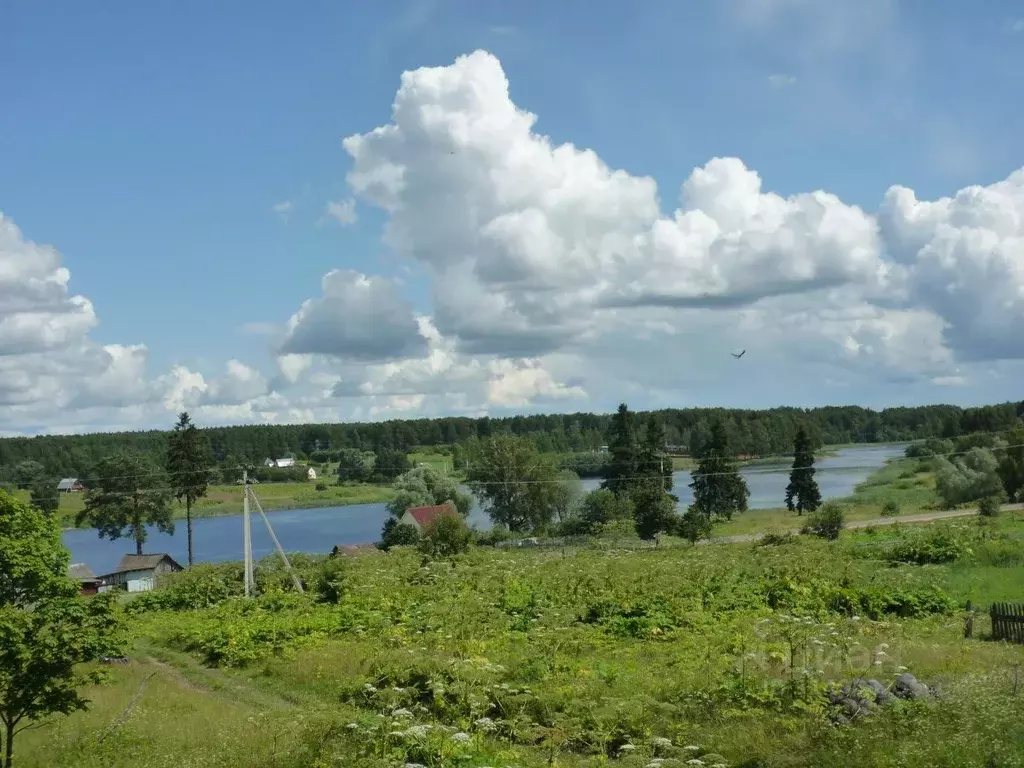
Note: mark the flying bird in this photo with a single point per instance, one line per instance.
(741, 354)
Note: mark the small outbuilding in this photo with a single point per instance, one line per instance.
(138, 573)
(70, 485)
(88, 582)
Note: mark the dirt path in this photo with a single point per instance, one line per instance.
(921, 518)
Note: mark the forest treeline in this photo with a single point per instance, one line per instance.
(750, 432)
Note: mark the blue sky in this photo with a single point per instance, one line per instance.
(148, 142)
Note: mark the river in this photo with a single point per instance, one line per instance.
(317, 530)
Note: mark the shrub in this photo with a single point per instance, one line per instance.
(937, 544)
(321, 486)
(774, 538)
(446, 536)
(826, 522)
(201, 586)
(989, 506)
(891, 508)
(496, 535)
(396, 534)
(327, 582)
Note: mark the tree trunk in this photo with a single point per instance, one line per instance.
(188, 527)
(138, 537)
(9, 746)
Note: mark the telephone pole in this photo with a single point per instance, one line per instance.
(246, 535)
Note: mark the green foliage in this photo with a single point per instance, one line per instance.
(127, 493)
(515, 484)
(445, 537)
(934, 544)
(26, 473)
(694, 525)
(719, 491)
(389, 463)
(654, 462)
(426, 486)
(827, 522)
(586, 464)
(396, 534)
(353, 466)
(989, 506)
(802, 493)
(44, 495)
(321, 486)
(654, 510)
(188, 468)
(967, 478)
(601, 507)
(327, 581)
(623, 467)
(46, 629)
(1011, 465)
(890, 508)
(201, 586)
(933, 446)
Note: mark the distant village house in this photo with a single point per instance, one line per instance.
(70, 485)
(420, 517)
(138, 573)
(280, 463)
(88, 582)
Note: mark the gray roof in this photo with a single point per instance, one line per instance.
(67, 483)
(143, 562)
(81, 572)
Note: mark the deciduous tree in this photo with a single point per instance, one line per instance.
(188, 467)
(127, 493)
(514, 482)
(46, 629)
(44, 495)
(802, 493)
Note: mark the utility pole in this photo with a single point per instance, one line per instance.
(246, 534)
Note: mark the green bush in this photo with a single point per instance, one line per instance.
(447, 536)
(396, 534)
(201, 586)
(989, 506)
(321, 486)
(827, 522)
(327, 581)
(936, 544)
(891, 508)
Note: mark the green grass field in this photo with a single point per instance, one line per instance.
(720, 653)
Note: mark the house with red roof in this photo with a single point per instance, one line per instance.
(420, 517)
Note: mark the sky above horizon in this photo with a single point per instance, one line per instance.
(334, 211)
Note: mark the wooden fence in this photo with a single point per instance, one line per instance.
(1007, 621)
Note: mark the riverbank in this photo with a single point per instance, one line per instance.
(222, 500)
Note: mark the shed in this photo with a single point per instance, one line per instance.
(69, 484)
(420, 517)
(89, 583)
(138, 573)
(311, 473)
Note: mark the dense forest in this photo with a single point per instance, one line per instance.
(751, 433)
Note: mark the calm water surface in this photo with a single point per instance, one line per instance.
(317, 530)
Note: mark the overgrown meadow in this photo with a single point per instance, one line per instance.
(709, 655)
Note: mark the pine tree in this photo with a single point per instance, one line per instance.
(621, 471)
(802, 493)
(654, 461)
(188, 467)
(718, 489)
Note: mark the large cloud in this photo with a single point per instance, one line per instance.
(358, 318)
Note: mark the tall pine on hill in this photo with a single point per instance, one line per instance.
(718, 489)
(654, 461)
(802, 494)
(622, 469)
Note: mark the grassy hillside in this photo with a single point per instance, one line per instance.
(719, 653)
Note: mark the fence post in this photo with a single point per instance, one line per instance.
(969, 629)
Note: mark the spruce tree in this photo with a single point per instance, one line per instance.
(622, 470)
(654, 461)
(802, 493)
(718, 489)
(188, 468)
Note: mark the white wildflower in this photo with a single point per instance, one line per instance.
(352, 726)
(655, 763)
(695, 761)
(661, 742)
(418, 731)
(485, 724)
(369, 688)
(692, 748)
(461, 738)
(397, 734)
(415, 765)
(626, 748)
